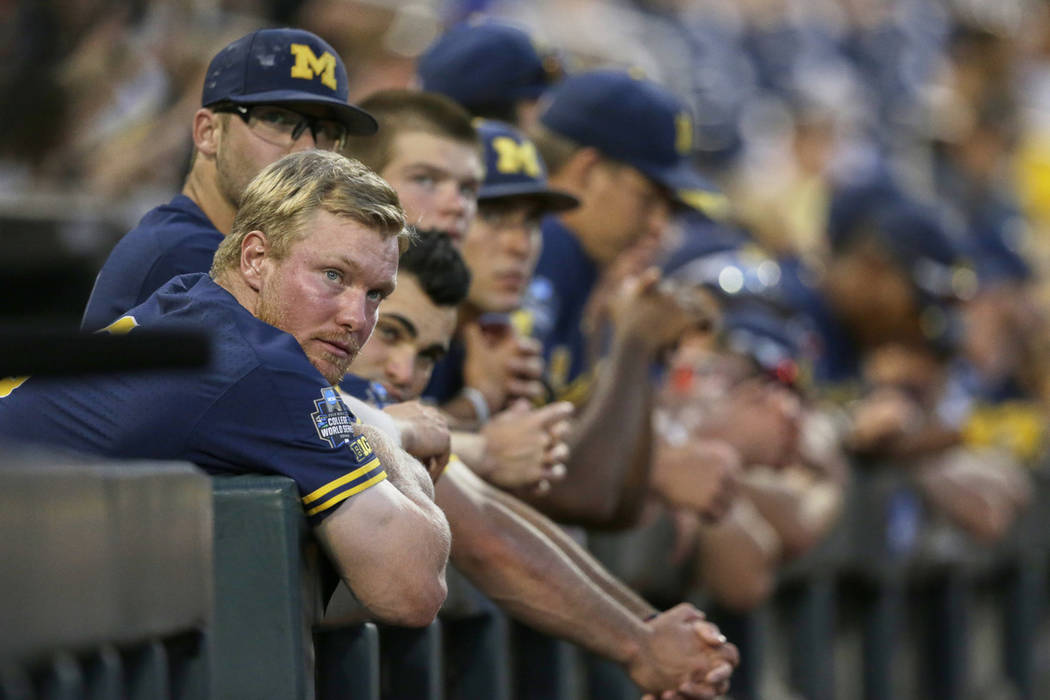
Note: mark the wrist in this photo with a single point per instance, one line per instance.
(478, 402)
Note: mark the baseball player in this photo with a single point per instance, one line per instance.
(265, 95)
(293, 294)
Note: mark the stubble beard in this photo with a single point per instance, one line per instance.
(332, 367)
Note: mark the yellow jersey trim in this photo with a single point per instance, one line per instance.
(339, 498)
(345, 479)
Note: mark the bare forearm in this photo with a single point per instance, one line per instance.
(404, 471)
(800, 513)
(610, 447)
(528, 575)
(470, 448)
(391, 552)
(579, 556)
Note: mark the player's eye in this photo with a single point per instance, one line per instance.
(274, 116)
(424, 180)
(333, 275)
(388, 333)
(376, 295)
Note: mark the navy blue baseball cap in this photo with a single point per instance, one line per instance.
(632, 120)
(487, 62)
(284, 66)
(514, 168)
(777, 343)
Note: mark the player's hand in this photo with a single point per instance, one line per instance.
(424, 434)
(699, 475)
(525, 447)
(502, 365)
(683, 653)
(656, 313)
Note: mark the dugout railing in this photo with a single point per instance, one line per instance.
(153, 581)
(105, 578)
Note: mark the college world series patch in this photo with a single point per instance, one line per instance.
(332, 419)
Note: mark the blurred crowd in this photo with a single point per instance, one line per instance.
(870, 254)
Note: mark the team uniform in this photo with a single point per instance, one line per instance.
(554, 306)
(259, 407)
(446, 380)
(173, 239)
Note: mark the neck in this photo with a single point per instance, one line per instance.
(234, 283)
(576, 219)
(203, 188)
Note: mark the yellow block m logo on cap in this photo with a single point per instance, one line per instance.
(516, 157)
(307, 65)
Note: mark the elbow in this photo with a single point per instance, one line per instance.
(420, 606)
(409, 601)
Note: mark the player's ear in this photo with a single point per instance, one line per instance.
(582, 166)
(254, 249)
(207, 126)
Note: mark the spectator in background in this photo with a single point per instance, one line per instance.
(293, 295)
(495, 70)
(265, 95)
(524, 562)
(894, 287)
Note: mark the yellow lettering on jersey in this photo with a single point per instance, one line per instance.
(516, 157)
(361, 447)
(683, 133)
(121, 326)
(307, 65)
(9, 384)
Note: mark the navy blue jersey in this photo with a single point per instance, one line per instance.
(259, 407)
(170, 240)
(554, 303)
(446, 381)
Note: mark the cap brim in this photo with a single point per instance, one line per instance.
(358, 122)
(688, 187)
(550, 200)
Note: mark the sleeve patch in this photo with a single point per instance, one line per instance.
(333, 421)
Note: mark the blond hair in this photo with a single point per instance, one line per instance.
(281, 198)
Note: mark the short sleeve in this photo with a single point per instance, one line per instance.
(285, 422)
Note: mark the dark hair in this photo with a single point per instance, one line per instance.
(438, 267)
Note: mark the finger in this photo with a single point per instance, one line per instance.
(709, 633)
(553, 413)
(557, 453)
(719, 674)
(695, 690)
(528, 345)
(730, 653)
(555, 473)
(560, 430)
